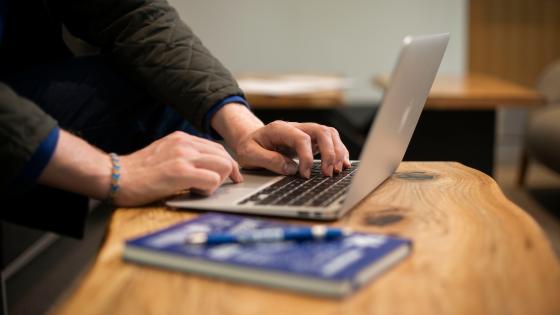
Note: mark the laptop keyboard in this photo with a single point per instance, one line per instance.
(317, 191)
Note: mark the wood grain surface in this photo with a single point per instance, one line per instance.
(474, 91)
(474, 252)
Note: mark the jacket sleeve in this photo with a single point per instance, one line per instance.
(23, 127)
(148, 41)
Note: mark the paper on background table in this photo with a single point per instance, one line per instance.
(283, 85)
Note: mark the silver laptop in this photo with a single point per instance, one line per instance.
(328, 198)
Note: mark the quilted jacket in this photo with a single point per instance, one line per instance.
(144, 38)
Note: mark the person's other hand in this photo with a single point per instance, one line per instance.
(172, 164)
(274, 145)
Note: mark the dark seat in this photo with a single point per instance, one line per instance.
(543, 129)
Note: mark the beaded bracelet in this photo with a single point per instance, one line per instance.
(115, 176)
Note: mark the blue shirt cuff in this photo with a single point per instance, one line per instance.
(214, 109)
(39, 160)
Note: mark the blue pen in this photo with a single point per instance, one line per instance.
(317, 232)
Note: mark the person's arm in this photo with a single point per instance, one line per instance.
(23, 127)
(174, 163)
(148, 41)
(167, 166)
(78, 167)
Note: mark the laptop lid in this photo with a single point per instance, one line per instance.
(396, 119)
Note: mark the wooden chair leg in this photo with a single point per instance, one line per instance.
(523, 165)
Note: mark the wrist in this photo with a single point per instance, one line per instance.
(234, 122)
(78, 167)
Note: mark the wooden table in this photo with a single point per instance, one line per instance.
(474, 252)
(474, 92)
(459, 122)
(324, 98)
(317, 100)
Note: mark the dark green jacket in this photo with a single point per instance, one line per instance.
(144, 38)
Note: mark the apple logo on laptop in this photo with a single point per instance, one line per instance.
(404, 117)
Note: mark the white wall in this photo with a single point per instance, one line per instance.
(355, 38)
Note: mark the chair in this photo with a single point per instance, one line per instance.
(542, 139)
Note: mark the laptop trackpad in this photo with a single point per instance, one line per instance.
(228, 193)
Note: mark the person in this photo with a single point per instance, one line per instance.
(132, 124)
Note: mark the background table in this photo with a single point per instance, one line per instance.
(474, 253)
(458, 123)
(312, 91)
(459, 120)
(474, 91)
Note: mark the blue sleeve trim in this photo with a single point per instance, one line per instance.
(39, 160)
(214, 109)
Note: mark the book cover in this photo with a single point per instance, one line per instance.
(330, 268)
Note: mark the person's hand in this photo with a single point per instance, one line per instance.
(274, 145)
(172, 164)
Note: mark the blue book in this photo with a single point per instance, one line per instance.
(321, 267)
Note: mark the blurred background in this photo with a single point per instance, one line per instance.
(513, 43)
(356, 39)
(493, 106)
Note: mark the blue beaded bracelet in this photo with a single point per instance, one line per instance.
(115, 176)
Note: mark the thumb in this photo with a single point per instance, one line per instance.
(271, 160)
